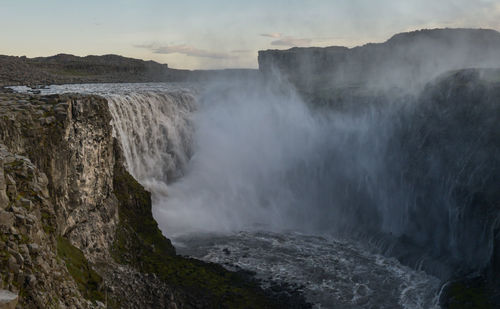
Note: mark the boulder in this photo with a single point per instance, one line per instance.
(8, 300)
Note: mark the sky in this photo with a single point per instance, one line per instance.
(214, 34)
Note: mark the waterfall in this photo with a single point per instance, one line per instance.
(155, 131)
(422, 168)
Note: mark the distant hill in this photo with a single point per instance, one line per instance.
(64, 68)
(405, 60)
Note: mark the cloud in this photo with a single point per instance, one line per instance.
(241, 51)
(283, 40)
(289, 41)
(271, 35)
(185, 50)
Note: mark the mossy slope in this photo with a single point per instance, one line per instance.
(87, 280)
(197, 284)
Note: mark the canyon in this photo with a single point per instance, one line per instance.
(397, 140)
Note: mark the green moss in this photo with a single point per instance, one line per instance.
(24, 239)
(19, 196)
(47, 223)
(138, 216)
(139, 242)
(88, 281)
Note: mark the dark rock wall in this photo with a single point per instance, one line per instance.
(406, 60)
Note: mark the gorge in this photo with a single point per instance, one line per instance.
(349, 187)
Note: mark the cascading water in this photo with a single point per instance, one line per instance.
(263, 160)
(155, 132)
(252, 157)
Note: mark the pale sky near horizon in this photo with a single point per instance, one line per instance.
(207, 34)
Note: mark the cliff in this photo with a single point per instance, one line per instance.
(441, 88)
(77, 229)
(405, 60)
(448, 153)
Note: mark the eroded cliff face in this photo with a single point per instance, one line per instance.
(69, 139)
(59, 212)
(28, 246)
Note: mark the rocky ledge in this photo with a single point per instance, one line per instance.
(76, 229)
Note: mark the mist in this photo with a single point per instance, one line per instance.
(415, 169)
(407, 61)
(265, 160)
(255, 148)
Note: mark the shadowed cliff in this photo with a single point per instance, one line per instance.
(406, 60)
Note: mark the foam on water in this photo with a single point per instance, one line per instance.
(330, 273)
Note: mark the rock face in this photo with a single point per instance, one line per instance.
(57, 199)
(28, 246)
(76, 229)
(405, 60)
(68, 138)
(445, 152)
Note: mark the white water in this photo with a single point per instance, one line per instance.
(156, 133)
(256, 158)
(331, 273)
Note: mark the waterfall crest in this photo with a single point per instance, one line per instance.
(155, 131)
